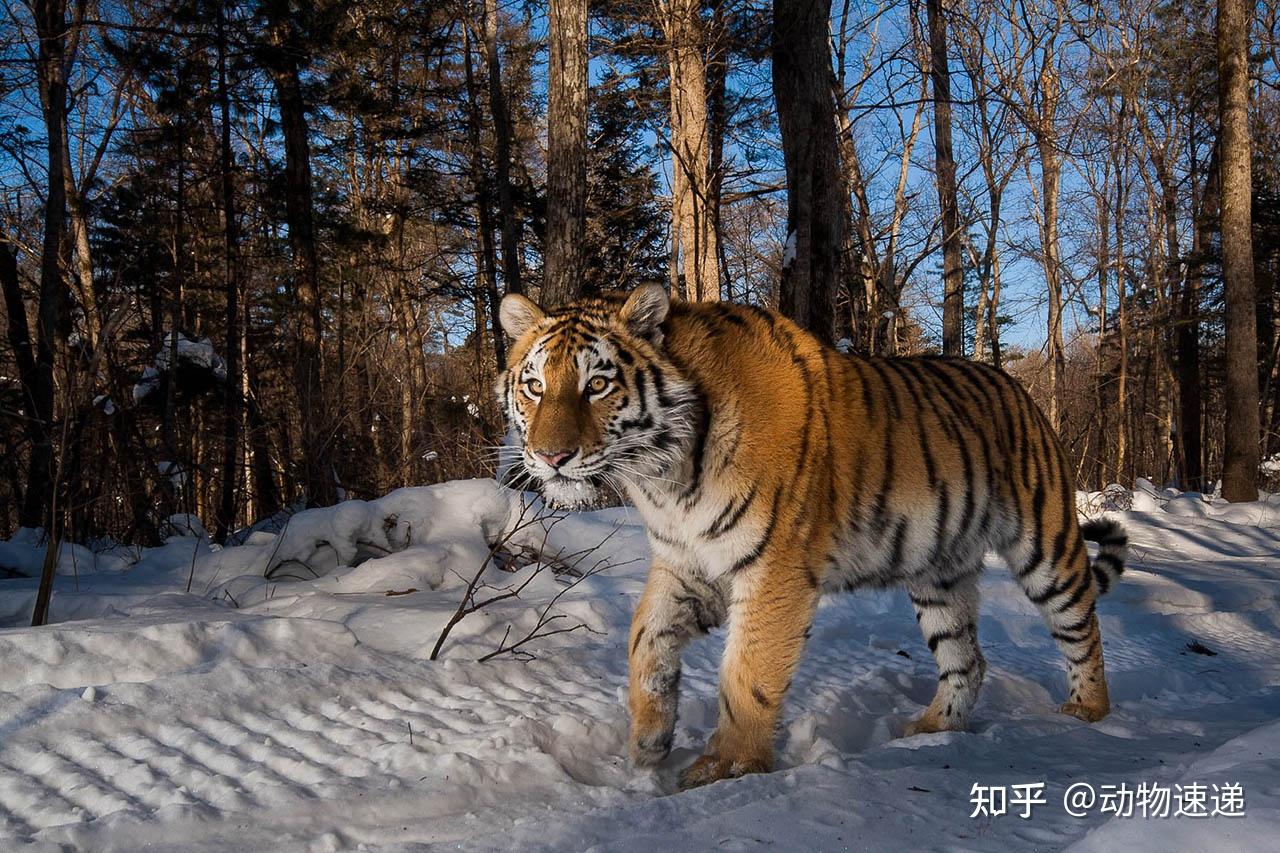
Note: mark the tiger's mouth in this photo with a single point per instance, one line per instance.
(561, 491)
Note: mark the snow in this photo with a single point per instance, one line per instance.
(199, 353)
(279, 693)
(789, 250)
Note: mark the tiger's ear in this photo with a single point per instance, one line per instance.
(644, 310)
(518, 314)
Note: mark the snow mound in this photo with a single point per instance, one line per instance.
(198, 354)
(1147, 498)
(144, 649)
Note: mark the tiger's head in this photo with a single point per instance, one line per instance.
(593, 395)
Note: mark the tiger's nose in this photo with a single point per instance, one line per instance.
(555, 458)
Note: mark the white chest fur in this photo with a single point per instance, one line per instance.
(690, 534)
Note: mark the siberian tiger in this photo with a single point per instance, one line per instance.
(769, 468)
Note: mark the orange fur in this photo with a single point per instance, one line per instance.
(769, 468)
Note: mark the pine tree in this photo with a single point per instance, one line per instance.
(625, 234)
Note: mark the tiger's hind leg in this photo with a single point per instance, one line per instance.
(1059, 582)
(947, 611)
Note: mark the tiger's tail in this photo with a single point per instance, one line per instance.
(1112, 550)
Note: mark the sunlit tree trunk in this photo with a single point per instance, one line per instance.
(1241, 419)
(693, 194)
(563, 267)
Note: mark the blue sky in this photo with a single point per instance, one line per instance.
(1023, 278)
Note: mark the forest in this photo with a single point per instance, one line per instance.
(252, 251)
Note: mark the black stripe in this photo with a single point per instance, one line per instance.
(1102, 580)
(1037, 516)
(694, 488)
(951, 583)
(1077, 661)
(899, 543)
(1053, 590)
(1071, 636)
(1082, 586)
(1080, 623)
(1105, 559)
(943, 676)
(664, 539)
(730, 515)
(754, 554)
(954, 634)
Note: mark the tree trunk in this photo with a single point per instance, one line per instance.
(502, 134)
(231, 462)
(1057, 360)
(486, 270)
(1241, 419)
(692, 195)
(51, 28)
(802, 80)
(318, 480)
(40, 504)
(1188, 336)
(993, 314)
(564, 263)
(1051, 181)
(952, 271)
(19, 334)
(717, 118)
(78, 219)
(1123, 452)
(1100, 368)
(863, 264)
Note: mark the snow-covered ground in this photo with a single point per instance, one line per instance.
(279, 695)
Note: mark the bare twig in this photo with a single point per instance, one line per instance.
(468, 604)
(545, 619)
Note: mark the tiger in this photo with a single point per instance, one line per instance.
(769, 468)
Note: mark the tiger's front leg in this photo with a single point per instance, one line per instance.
(672, 611)
(768, 624)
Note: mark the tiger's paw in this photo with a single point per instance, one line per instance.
(649, 748)
(929, 722)
(713, 768)
(1088, 713)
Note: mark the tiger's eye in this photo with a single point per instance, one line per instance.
(597, 384)
(535, 387)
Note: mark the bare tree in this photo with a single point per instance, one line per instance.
(944, 159)
(1000, 147)
(1038, 99)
